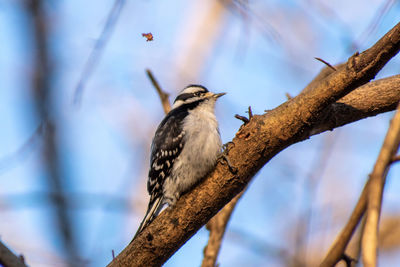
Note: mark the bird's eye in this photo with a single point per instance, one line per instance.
(197, 94)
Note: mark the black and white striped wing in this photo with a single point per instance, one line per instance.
(167, 144)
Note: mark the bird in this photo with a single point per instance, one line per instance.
(185, 148)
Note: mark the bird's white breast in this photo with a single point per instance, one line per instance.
(199, 155)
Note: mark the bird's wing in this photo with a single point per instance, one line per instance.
(168, 142)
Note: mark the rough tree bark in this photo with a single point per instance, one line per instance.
(8, 259)
(262, 138)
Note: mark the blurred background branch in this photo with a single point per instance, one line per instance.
(217, 227)
(372, 188)
(375, 192)
(164, 97)
(43, 79)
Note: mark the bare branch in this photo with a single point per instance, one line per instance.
(357, 240)
(9, 259)
(288, 96)
(217, 226)
(324, 73)
(24, 150)
(242, 118)
(396, 159)
(253, 146)
(368, 100)
(389, 233)
(164, 97)
(326, 63)
(250, 113)
(338, 247)
(375, 191)
(42, 87)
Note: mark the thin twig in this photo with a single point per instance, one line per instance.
(98, 49)
(7, 258)
(242, 118)
(326, 63)
(288, 96)
(357, 245)
(161, 93)
(12, 160)
(375, 191)
(250, 113)
(339, 246)
(396, 159)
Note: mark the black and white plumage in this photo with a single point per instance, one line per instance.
(185, 148)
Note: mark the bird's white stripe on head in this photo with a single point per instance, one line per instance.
(188, 95)
(193, 89)
(177, 104)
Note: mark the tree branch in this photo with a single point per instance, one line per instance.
(42, 87)
(253, 146)
(375, 191)
(368, 100)
(337, 249)
(9, 259)
(217, 226)
(396, 159)
(161, 93)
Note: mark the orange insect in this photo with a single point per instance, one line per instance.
(148, 36)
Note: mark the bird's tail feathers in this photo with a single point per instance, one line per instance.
(152, 211)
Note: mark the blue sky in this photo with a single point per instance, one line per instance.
(105, 142)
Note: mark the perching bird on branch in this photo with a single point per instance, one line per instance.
(185, 148)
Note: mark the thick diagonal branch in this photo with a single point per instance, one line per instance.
(253, 146)
(8, 259)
